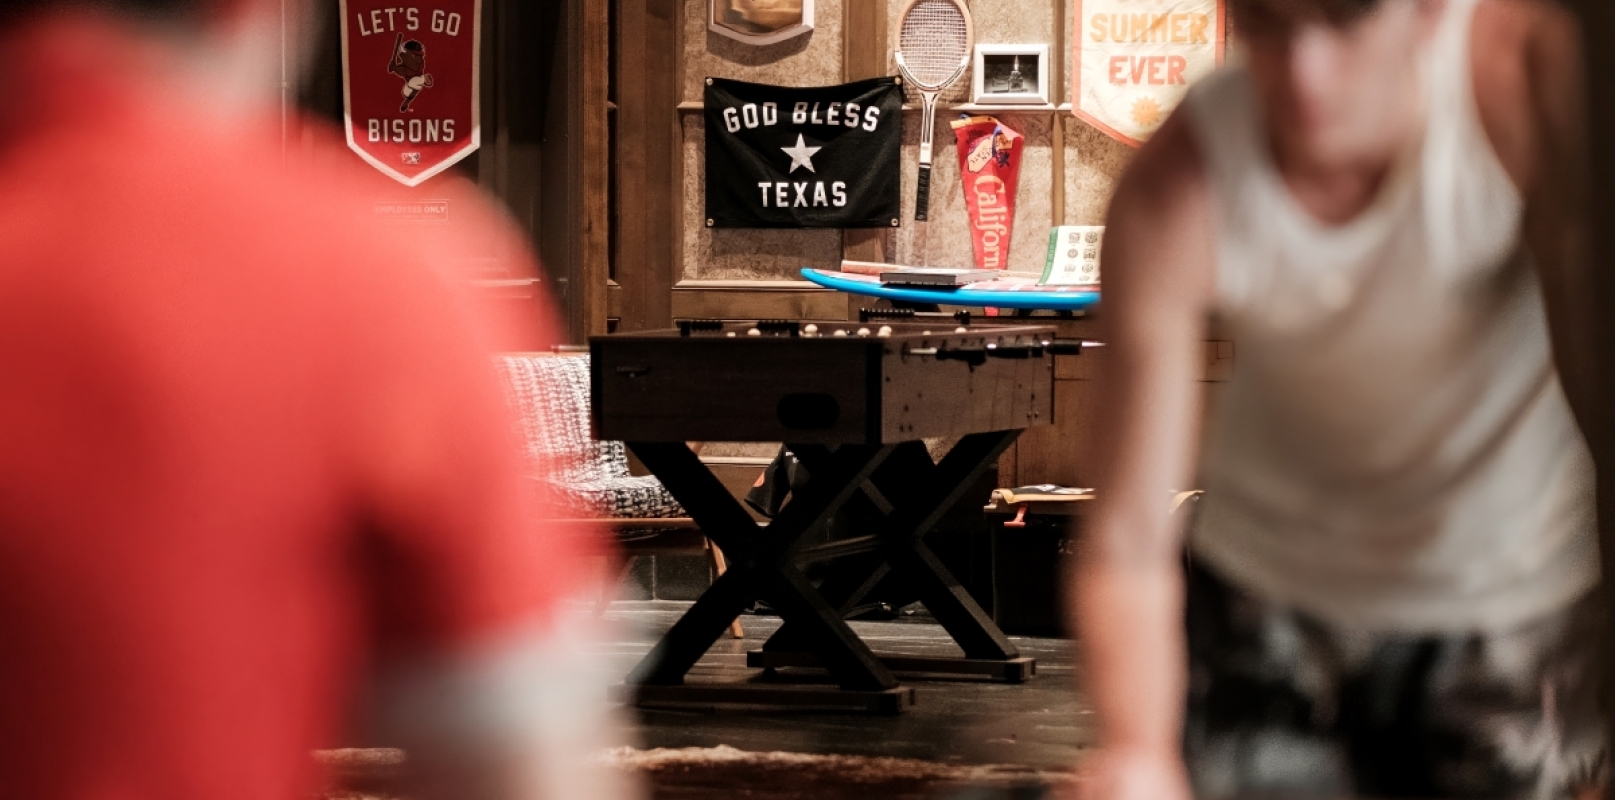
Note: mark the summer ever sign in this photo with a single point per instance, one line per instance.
(1135, 60)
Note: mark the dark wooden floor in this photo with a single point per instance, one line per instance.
(1042, 724)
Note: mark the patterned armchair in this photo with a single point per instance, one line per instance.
(589, 479)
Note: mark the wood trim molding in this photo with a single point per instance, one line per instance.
(595, 143)
(691, 285)
(863, 55)
(757, 299)
(691, 106)
(675, 144)
(648, 191)
(613, 301)
(736, 461)
(1057, 123)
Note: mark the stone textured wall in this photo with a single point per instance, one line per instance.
(1092, 160)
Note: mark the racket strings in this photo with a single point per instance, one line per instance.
(934, 38)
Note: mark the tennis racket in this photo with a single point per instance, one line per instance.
(933, 50)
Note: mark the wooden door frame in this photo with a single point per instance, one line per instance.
(574, 209)
(589, 140)
(648, 185)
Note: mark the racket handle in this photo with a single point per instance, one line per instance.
(922, 195)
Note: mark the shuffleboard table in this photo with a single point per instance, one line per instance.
(853, 401)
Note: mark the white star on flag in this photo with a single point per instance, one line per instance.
(801, 155)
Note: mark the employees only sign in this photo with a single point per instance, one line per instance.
(1136, 58)
(409, 84)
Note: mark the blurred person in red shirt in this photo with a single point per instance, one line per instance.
(256, 478)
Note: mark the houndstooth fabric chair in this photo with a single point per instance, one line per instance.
(586, 478)
(589, 479)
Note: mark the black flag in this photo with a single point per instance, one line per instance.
(821, 157)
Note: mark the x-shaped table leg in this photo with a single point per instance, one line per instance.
(759, 564)
(913, 493)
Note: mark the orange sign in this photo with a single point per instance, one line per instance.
(1135, 59)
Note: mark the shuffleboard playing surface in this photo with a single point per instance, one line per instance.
(994, 294)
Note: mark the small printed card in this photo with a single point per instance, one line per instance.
(1073, 255)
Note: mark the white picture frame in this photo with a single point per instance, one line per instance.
(995, 67)
(717, 7)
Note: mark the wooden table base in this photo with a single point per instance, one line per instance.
(908, 497)
(1013, 670)
(748, 696)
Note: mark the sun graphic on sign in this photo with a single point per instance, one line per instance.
(1146, 112)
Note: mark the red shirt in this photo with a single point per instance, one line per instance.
(249, 440)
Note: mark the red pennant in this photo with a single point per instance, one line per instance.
(989, 169)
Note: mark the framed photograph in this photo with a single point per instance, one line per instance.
(760, 21)
(1011, 74)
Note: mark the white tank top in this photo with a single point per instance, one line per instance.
(1394, 451)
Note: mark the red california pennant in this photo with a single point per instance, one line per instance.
(989, 170)
(409, 84)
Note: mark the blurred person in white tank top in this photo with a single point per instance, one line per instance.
(1389, 591)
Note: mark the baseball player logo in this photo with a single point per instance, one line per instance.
(409, 63)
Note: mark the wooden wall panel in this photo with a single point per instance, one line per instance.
(698, 299)
(863, 55)
(571, 213)
(1062, 453)
(646, 181)
(589, 135)
(1059, 453)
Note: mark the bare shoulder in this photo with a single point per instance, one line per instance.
(1168, 175)
(1159, 234)
(1525, 63)
(1521, 25)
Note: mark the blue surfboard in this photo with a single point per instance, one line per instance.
(1039, 298)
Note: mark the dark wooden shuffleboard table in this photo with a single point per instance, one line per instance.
(853, 401)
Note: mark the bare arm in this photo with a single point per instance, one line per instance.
(1531, 106)
(1127, 580)
(493, 690)
(1556, 204)
(522, 716)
